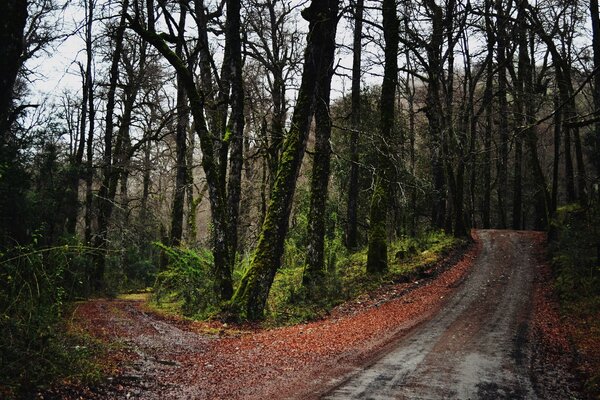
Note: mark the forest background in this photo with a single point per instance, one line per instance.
(263, 159)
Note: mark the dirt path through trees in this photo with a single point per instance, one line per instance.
(476, 346)
(462, 334)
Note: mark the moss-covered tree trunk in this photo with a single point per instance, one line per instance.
(250, 298)
(236, 139)
(315, 268)
(377, 253)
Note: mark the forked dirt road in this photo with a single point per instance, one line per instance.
(463, 334)
(475, 347)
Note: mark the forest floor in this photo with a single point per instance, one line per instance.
(482, 325)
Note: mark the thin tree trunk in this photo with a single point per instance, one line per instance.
(353, 183)
(556, 159)
(489, 122)
(502, 164)
(181, 168)
(181, 178)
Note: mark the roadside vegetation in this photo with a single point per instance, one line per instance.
(575, 252)
(38, 346)
(184, 286)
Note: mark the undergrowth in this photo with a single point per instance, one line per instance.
(36, 287)
(346, 277)
(186, 285)
(575, 253)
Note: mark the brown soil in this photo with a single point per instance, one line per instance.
(168, 358)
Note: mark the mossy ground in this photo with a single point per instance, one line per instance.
(290, 303)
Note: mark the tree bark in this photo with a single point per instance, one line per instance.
(434, 115)
(489, 123)
(236, 145)
(502, 165)
(377, 253)
(315, 268)
(181, 178)
(353, 184)
(217, 192)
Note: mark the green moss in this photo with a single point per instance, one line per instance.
(290, 303)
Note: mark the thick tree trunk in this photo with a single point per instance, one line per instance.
(353, 184)
(251, 296)
(377, 253)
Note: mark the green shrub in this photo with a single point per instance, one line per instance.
(35, 286)
(188, 280)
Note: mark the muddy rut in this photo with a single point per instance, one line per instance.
(475, 347)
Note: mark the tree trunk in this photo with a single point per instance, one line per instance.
(236, 160)
(489, 122)
(105, 202)
(502, 164)
(377, 253)
(315, 268)
(250, 298)
(556, 159)
(596, 93)
(434, 115)
(181, 178)
(353, 184)
(216, 189)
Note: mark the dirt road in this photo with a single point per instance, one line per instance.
(475, 347)
(461, 332)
